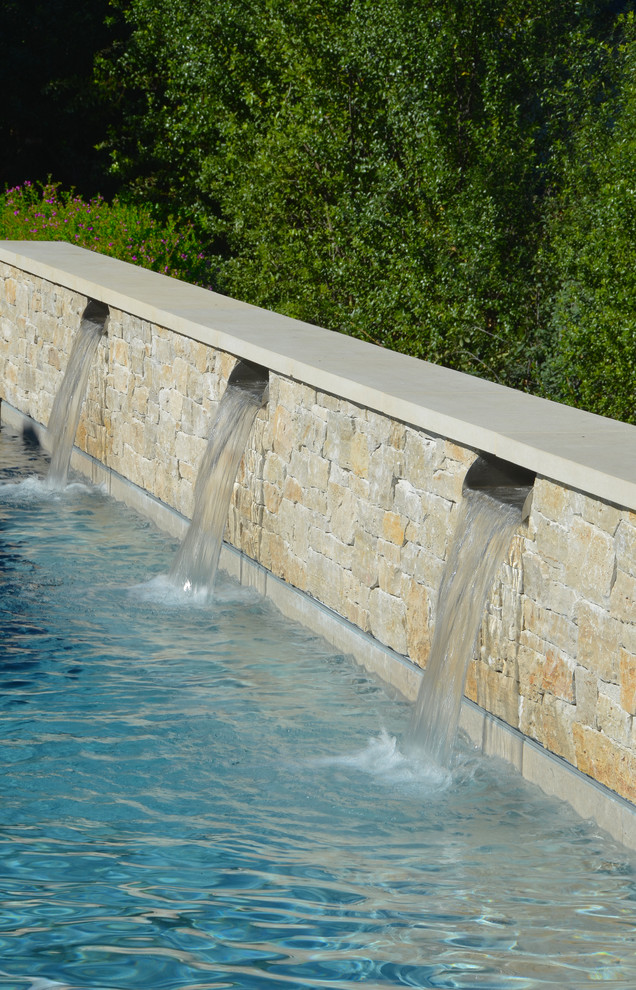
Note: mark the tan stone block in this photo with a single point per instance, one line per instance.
(360, 455)
(338, 438)
(418, 624)
(119, 351)
(628, 681)
(311, 429)
(556, 629)
(552, 501)
(626, 547)
(586, 693)
(530, 664)
(463, 455)
(605, 761)
(376, 426)
(530, 718)
(623, 597)
(292, 490)
(557, 720)
(311, 470)
(598, 641)
(387, 618)
(558, 676)
(272, 496)
(390, 576)
(384, 468)
(551, 541)
(421, 456)
(498, 694)
(343, 512)
(612, 719)
(606, 517)
(448, 480)
(393, 527)
(365, 560)
(591, 562)
(283, 438)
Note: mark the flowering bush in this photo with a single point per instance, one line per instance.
(123, 230)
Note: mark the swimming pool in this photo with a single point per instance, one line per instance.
(204, 795)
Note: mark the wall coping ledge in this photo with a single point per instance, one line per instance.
(591, 453)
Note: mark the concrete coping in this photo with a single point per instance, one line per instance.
(590, 453)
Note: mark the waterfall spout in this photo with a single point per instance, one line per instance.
(67, 405)
(496, 496)
(195, 565)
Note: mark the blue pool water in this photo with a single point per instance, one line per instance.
(204, 795)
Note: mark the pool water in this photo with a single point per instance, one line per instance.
(201, 795)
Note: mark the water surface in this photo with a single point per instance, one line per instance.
(200, 795)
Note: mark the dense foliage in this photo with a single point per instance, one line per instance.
(452, 179)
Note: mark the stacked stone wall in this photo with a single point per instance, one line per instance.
(359, 510)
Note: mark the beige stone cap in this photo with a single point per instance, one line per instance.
(591, 453)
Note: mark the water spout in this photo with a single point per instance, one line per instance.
(67, 405)
(195, 565)
(496, 496)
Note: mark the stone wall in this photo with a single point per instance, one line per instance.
(358, 510)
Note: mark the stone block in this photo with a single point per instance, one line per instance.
(557, 721)
(600, 514)
(343, 513)
(384, 470)
(551, 540)
(530, 664)
(611, 717)
(448, 480)
(598, 641)
(360, 454)
(418, 623)
(591, 561)
(559, 630)
(365, 560)
(393, 528)
(628, 681)
(311, 470)
(558, 676)
(283, 433)
(498, 694)
(552, 500)
(605, 761)
(626, 547)
(421, 457)
(339, 435)
(387, 619)
(623, 597)
(390, 576)
(586, 694)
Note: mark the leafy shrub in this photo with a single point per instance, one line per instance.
(130, 232)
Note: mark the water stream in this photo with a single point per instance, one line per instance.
(483, 535)
(195, 564)
(67, 405)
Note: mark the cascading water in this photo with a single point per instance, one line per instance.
(67, 405)
(488, 519)
(195, 565)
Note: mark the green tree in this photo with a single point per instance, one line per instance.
(591, 360)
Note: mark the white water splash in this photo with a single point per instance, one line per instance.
(383, 760)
